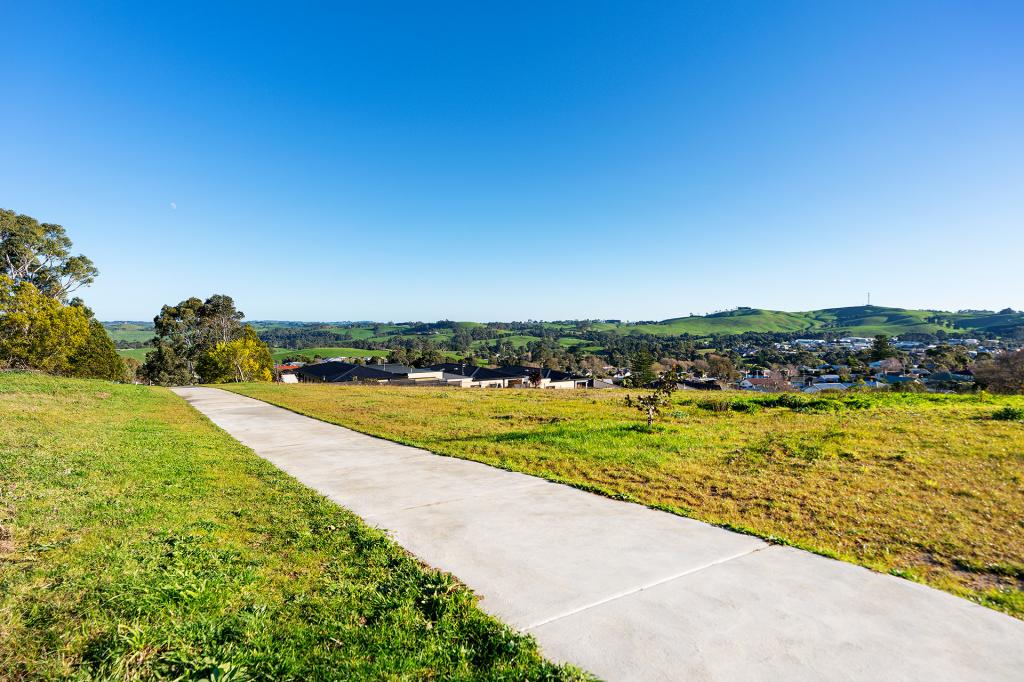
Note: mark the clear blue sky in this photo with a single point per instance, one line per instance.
(634, 160)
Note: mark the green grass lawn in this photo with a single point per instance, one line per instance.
(138, 541)
(928, 487)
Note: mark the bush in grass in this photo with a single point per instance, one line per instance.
(715, 405)
(1009, 414)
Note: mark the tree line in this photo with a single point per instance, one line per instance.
(42, 327)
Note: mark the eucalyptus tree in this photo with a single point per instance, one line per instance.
(40, 254)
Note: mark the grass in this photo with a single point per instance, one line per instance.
(138, 541)
(129, 331)
(280, 354)
(928, 487)
(136, 353)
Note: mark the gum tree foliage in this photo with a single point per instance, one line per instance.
(1004, 374)
(39, 327)
(164, 367)
(185, 332)
(651, 404)
(97, 358)
(205, 341)
(38, 331)
(242, 359)
(40, 254)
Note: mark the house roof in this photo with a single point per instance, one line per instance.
(949, 376)
(889, 379)
(830, 386)
(471, 371)
(392, 367)
(343, 371)
(545, 373)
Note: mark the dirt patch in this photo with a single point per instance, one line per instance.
(6, 540)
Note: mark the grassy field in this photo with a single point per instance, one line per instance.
(280, 354)
(129, 331)
(137, 353)
(928, 487)
(138, 541)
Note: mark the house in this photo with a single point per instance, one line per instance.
(893, 379)
(417, 374)
(286, 372)
(800, 381)
(344, 372)
(699, 385)
(826, 386)
(543, 377)
(471, 376)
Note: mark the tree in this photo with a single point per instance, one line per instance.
(1005, 374)
(722, 368)
(243, 359)
(40, 254)
(187, 331)
(948, 357)
(178, 328)
(38, 331)
(400, 356)
(650, 404)
(131, 369)
(163, 367)
(881, 348)
(96, 358)
(640, 368)
(219, 320)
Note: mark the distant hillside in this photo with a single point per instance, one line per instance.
(854, 321)
(129, 331)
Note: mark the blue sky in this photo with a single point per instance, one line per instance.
(636, 160)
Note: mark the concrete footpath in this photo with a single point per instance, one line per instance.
(626, 592)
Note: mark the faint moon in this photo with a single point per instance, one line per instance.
(174, 205)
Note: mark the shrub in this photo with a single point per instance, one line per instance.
(1009, 414)
(715, 405)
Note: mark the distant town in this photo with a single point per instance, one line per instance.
(871, 363)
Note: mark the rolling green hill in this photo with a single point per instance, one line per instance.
(280, 354)
(854, 320)
(129, 331)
